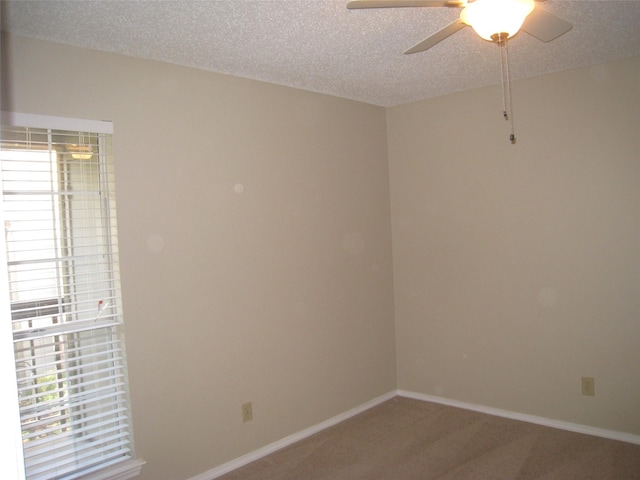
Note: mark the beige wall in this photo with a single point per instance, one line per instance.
(517, 267)
(256, 252)
(255, 247)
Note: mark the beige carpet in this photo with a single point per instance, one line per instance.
(410, 439)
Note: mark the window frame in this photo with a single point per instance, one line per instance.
(11, 444)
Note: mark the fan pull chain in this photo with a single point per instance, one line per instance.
(512, 136)
(501, 43)
(507, 108)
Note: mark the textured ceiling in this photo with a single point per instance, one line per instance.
(321, 46)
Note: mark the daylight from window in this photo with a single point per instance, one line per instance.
(61, 260)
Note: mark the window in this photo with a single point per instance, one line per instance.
(60, 259)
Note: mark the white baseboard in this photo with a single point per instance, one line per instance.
(547, 422)
(307, 432)
(285, 442)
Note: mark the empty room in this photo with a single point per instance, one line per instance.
(295, 239)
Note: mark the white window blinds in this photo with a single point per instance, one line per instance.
(61, 258)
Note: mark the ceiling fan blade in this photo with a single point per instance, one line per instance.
(437, 37)
(545, 26)
(353, 4)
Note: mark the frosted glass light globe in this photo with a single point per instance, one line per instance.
(491, 17)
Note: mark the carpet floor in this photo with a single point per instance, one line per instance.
(411, 439)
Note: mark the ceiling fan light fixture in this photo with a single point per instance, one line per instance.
(496, 17)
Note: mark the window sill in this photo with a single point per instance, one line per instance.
(120, 471)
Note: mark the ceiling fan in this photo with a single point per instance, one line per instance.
(493, 20)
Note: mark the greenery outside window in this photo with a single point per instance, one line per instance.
(60, 259)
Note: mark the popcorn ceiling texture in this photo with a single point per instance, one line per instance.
(319, 45)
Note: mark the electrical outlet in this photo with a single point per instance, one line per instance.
(588, 386)
(247, 412)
